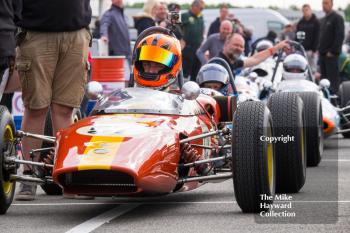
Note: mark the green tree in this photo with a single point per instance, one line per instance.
(273, 7)
(294, 7)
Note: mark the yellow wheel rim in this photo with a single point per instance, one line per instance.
(8, 137)
(270, 163)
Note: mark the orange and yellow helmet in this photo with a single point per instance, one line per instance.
(159, 48)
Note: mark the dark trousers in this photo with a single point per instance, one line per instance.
(330, 70)
(190, 63)
(6, 98)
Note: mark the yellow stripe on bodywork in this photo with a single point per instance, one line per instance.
(92, 160)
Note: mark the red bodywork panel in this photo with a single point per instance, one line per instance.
(125, 154)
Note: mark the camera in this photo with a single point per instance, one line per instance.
(174, 17)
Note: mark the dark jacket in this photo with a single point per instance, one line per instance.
(192, 29)
(115, 28)
(331, 34)
(214, 27)
(311, 28)
(7, 27)
(143, 22)
(55, 15)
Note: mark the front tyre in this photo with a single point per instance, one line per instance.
(288, 121)
(7, 132)
(253, 158)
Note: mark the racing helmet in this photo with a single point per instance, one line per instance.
(263, 45)
(162, 49)
(213, 72)
(295, 67)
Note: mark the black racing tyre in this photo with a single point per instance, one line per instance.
(253, 160)
(344, 93)
(313, 126)
(343, 127)
(288, 120)
(7, 132)
(227, 105)
(52, 188)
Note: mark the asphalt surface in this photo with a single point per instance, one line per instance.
(323, 205)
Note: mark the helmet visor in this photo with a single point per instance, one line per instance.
(156, 54)
(212, 76)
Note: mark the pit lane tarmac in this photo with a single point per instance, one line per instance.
(211, 208)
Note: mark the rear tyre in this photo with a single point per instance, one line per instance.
(313, 126)
(52, 188)
(344, 94)
(7, 132)
(288, 120)
(253, 158)
(346, 126)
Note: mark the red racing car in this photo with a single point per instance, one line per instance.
(146, 142)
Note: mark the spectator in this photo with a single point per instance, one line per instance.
(215, 25)
(145, 19)
(8, 16)
(347, 40)
(238, 26)
(193, 29)
(96, 32)
(176, 28)
(271, 36)
(233, 50)
(115, 30)
(331, 40)
(161, 13)
(248, 39)
(344, 64)
(174, 7)
(214, 42)
(310, 25)
(288, 32)
(52, 64)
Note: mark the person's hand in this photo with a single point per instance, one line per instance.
(282, 45)
(104, 39)
(329, 54)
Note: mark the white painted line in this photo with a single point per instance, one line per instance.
(315, 201)
(101, 219)
(158, 203)
(124, 203)
(335, 160)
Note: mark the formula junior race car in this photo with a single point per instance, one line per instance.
(145, 142)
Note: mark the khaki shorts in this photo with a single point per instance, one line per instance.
(53, 68)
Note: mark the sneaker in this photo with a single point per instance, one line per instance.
(26, 192)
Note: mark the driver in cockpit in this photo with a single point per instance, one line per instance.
(157, 62)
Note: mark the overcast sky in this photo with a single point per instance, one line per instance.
(315, 4)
